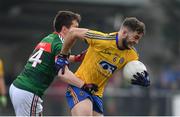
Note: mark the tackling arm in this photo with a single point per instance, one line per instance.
(69, 40)
(73, 34)
(70, 78)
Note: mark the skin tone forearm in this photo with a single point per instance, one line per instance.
(73, 34)
(68, 43)
(69, 40)
(70, 78)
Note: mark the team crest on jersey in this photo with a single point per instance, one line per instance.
(121, 60)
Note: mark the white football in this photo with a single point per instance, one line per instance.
(131, 68)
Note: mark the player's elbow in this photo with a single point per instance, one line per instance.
(78, 33)
(73, 32)
(62, 77)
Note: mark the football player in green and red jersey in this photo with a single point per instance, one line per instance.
(28, 88)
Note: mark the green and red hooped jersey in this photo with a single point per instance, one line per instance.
(39, 70)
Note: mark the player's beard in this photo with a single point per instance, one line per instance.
(125, 43)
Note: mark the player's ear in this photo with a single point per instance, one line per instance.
(64, 29)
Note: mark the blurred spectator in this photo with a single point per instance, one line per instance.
(110, 103)
(170, 77)
(3, 98)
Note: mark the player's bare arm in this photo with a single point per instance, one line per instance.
(73, 34)
(70, 78)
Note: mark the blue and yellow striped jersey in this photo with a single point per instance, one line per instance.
(102, 59)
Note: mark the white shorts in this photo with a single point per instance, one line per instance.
(25, 103)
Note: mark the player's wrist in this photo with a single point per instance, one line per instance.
(82, 85)
(63, 55)
(61, 62)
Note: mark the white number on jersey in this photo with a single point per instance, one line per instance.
(35, 58)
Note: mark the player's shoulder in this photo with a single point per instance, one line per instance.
(134, 50)
(94, 32)
(50, 38)
(113, 34)
(49, 41)
(100, 35)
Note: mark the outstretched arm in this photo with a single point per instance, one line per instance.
(69, 40)
(73, 34)
(70, 78)
(71, 37)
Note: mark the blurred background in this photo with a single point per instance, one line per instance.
(23, 23)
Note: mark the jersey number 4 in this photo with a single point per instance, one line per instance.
(35, 58)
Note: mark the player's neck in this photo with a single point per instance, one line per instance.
(62, 35)
(119, 42)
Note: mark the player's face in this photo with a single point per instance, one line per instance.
(75, 24)
(131, 39)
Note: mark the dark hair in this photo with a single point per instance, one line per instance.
(65, 18)
(134, 24)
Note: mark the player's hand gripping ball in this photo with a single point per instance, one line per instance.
(136, 73)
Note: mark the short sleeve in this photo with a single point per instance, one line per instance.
(94, 37)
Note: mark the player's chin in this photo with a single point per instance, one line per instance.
(131, 45)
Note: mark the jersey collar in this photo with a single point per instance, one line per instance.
(117, 39)
(60, 36)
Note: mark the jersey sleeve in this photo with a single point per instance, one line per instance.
(1, 69)
(95, 38)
